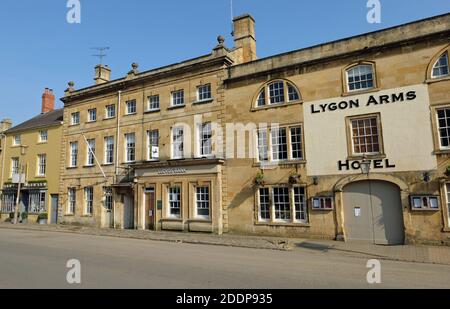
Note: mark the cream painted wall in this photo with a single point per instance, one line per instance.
(326, 135)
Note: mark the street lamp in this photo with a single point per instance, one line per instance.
(365, 166)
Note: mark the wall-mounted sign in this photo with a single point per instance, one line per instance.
(356, 165)
(171, 171)
(357, 103)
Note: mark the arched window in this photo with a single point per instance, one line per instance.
(277, 92)
(440, 68)
(360, 77)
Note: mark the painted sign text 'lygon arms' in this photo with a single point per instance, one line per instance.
(373, 100)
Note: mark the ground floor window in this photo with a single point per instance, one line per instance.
(89, 200)
(283, 204)
(447, 188)
(202, 201)
(72, 200)
(8, 202)
(108, 191)
(175, 202)
(37, 202)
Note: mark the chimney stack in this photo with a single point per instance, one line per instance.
(244, 36)
(5, 124)
(102, 74)
(48, 101)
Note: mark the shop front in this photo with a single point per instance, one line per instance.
(181, 195)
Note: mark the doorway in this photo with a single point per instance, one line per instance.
(150, 209)
(373, 213)
(54, 206)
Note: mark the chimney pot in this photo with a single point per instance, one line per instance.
(48, 101)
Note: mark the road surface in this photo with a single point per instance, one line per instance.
(30, 259)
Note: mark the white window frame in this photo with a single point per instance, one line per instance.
(130, 139)
(17, 140)
(131, 107)
(202, 132)
(177, 98)
(92, 115)
(73, 154)
(90, 152)
(435, 66)
(354, 68)
(266, 135)
(75, 118)
(15, 166)
(264, 98)
(200, 202)
(109, 153)
(8, 202)
(204, 93)
(294, 208)
(41, 165)
(272, 136)
(176, 154)
(439, 128)
(71, 201)
(170, 200)
(269, 205)
(43, 136)
(88, 201)
(110, 111)
(151, 143)
(153, 103)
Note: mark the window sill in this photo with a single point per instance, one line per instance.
(39, 177)
(286, 224)
(72, 167)
(176, 107)
(359, 92)
(87, 216)
(133, 114)
(199, 220)
(42, 143)
(74, 125)
(425, 210)
(89, 122)
(277, 105)
(322, 209)
(109, 118)
(89, 166)
(380, 156)
(441, 151)
(279, 163)
(437, 79)
(203, 102)
(107, 164)
(69, 215)
(171, 220)
(153, 111)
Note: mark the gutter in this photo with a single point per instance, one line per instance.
(2, 136)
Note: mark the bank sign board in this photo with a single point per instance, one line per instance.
(405, 128)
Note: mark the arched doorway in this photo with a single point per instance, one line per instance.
(373, 212)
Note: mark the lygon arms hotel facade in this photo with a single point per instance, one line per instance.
(345, 140)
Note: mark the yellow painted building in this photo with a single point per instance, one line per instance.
(31, 156)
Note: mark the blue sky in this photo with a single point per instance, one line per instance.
(40, 49)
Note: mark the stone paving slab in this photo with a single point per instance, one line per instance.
(408, 253)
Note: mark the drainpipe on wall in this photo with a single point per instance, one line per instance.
(117, 151)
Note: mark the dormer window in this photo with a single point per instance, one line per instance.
(277, 92)
(440, 68)
(360, 77)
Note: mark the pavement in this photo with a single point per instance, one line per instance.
(39, 259)
(407, 253)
